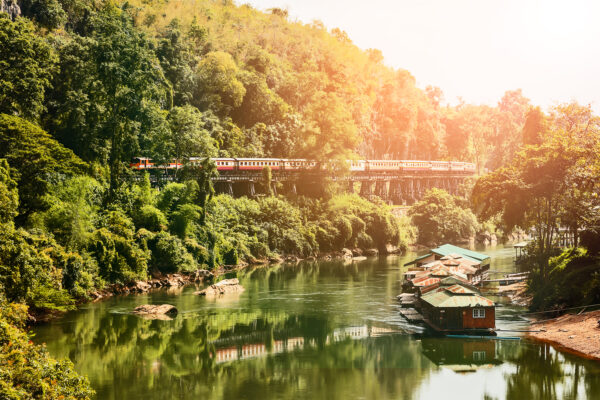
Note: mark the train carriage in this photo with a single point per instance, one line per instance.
(440, 165)
(257, 164)
(384, 165)
(457, 166)
(357, 165)
(416, 165)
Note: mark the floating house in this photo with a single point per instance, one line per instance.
(458, 308)
(450, 251)
(458, 261)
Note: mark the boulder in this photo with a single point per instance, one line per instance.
(225, 286)
(357, 252)
(203, 275)
(141, 286)
(346, 253)
(371, 252)
(151, 309)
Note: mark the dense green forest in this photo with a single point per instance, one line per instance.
(86, 85)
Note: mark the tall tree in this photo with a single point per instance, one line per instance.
(108, 84)
(26, 67)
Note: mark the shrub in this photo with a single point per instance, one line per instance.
(151, 218)
(170, 255)
(439, 218)
(119, 258)
(27, 272)
(26, 370)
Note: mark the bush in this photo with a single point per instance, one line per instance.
(439, 218)
(170, 255)
(150, 218)
(119, 258)
(27, 272)
(26, 370)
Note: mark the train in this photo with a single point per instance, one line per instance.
(298, 164)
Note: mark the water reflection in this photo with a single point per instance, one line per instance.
(320, 330)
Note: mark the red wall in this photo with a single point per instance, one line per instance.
(488, 322)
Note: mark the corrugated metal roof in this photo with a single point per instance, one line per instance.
(458, 289)
(425, 282)
(418, 259)
(448, 249)
(448, 299)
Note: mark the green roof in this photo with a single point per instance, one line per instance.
(418, 259)
(448, 249)
(446, 299)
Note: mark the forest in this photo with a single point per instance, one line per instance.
(86, 85)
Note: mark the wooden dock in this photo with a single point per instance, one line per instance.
(407, 300)
(411, 315)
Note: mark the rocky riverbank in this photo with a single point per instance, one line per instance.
(578, 334)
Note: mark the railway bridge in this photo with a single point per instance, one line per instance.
(395, 181)
(396, 188)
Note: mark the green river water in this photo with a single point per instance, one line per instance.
(320, 330)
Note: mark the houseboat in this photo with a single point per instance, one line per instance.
(458, 309)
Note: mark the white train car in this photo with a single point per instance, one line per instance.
(357, 165)
(457, 166)
(257, 164)
(415, 165)
(440, 165)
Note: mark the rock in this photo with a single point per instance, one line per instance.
(361, 258)
(310, 258)
(371, 252)
(572, 337)
(346, 253)
(357, 252)
(150, 309)
(225, 286)
(275, 259)
(292, 259)
(203, 275)
(141, 286)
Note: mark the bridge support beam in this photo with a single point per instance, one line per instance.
(381, 189)
(350, 186)
(366, 189)
(395, 192)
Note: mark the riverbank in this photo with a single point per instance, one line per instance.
(578, 334)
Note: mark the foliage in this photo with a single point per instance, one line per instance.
(25, 75)
(573, 280)
(151, 218)
(28, 273)
(439, 218)
(548, 185)
(26, 370)
(169, 254)
(9, 196)
(35, 160)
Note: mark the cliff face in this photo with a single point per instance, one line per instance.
(10, 7)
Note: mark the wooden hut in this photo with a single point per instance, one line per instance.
(458, 309)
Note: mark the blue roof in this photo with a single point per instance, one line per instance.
(448, 249)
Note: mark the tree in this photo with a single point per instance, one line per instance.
(549, 185)
(28, 371)
(25, 74)
(218, 88)
(9, 196)
(35, 160)
(178, 62)
(439, 218)
(109, 83)
(188, 134)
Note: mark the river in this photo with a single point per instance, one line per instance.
(320, 330)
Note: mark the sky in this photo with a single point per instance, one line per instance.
(475, 49)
